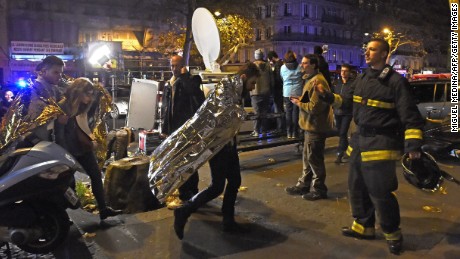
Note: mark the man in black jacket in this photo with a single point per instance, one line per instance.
(343, 114)
(181, 99)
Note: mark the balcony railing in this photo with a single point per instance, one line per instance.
(332, 19)
(313, 38)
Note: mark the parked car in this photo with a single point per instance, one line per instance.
(433, 97)
(120, 107)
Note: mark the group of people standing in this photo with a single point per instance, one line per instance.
(387, 122)
(379, 101)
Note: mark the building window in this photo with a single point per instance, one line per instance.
(305, 29)
(258, 34)
(259, 13)
(268, 11)
(287, 9)
(287, 29)
(304, 10)
(268, 33)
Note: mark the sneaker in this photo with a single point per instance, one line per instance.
(254, 134)
(313, 196)
(296, 190)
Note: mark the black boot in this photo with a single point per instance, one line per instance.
(395, 246)
(181, 215)
(108, 212)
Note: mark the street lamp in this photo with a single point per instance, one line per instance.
(101, 56)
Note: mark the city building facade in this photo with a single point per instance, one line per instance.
(32, 29)
(299, 25)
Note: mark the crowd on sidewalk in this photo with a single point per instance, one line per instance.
(378, 101)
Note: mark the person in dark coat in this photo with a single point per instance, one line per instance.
(277, 91)
(388, 122)
(323, 65)
(181, 99)
(343, 114)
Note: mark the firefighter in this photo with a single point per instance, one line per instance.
(388, 122)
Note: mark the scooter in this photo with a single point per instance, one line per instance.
(35, 191)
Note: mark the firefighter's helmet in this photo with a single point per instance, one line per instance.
(423, 173)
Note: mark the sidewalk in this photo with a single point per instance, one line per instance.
(282, 226)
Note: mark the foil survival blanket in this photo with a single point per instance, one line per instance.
(214, 125)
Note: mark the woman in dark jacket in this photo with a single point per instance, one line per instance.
(75, 136)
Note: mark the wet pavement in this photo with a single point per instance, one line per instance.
(281, 226)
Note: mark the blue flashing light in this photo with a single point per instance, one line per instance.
(22, 83)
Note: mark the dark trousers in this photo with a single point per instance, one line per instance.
(342, 122)
(278, 107)
(261, 106)
(314, 169)
(190, 187)
(371, 186)
(89, 162)
(292, 117)
(225, 165)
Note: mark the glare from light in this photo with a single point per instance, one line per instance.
(22, 83)
(100, 55)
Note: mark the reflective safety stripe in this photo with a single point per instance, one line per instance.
(373, 103)
(349, 150)
(380, 104)
(393, 236)
(360, 229)
(357, 99)
(380, 155)
(413, 134)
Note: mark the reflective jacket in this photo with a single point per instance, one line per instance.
(386, 116)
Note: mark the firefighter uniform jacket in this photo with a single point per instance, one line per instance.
(386, 116)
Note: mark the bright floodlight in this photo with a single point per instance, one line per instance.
(100, 55)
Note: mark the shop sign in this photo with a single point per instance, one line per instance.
(34, 47)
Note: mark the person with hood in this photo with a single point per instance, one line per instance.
(260, 96)
(291, 73)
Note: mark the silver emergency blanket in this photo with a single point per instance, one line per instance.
(214, 125)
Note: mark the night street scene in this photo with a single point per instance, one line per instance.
(229, 129)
